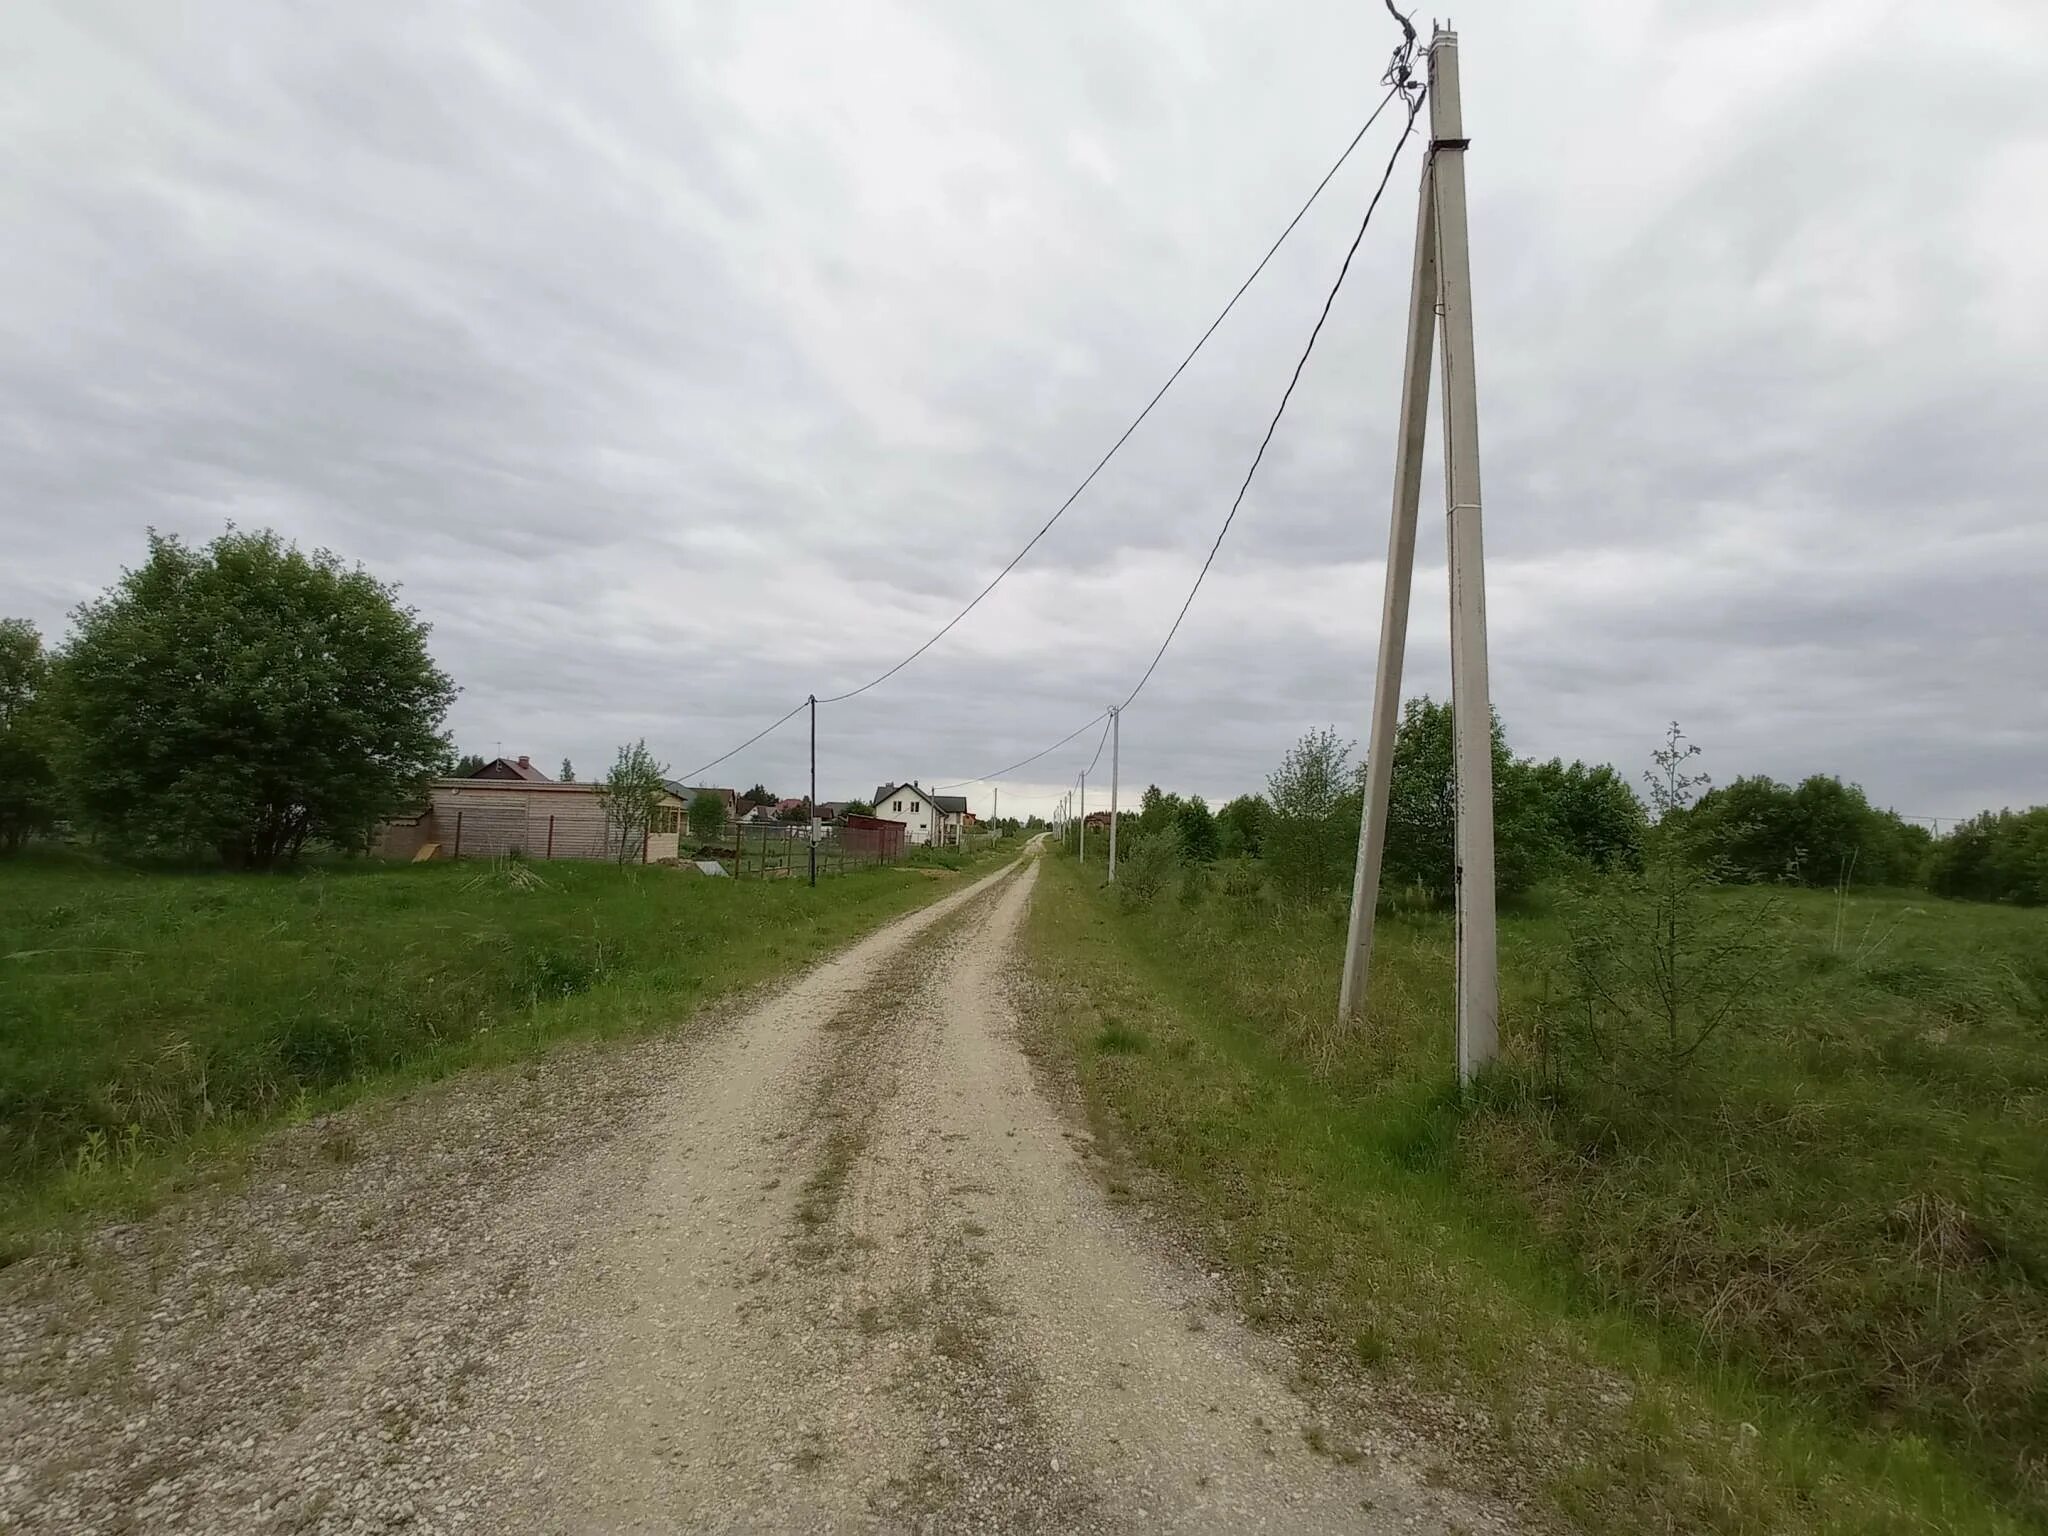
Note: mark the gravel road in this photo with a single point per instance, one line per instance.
(836, 1263)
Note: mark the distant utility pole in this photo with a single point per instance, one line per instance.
(1441, 285)
(811, 800)
(1084, 815)
(1115, 746)
(996, 815)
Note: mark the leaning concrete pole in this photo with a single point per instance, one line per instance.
(1400, 579)
(1471, 703)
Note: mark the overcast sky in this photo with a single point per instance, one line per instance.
(680, 360)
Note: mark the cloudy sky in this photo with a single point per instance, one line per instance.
(682, 359)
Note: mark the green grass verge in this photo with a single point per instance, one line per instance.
(150, 1020)
(1477, 1251)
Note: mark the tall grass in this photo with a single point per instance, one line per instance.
(1844, 1201)
(140, 1008)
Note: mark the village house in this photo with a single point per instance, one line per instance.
(520, 768)
(937, 820)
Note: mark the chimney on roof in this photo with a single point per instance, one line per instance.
(525, 761)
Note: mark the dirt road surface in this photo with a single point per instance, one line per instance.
(839, 1263)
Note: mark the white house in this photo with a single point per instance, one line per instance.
(926, 817)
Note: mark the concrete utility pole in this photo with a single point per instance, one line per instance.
(1084, 815)
(1441, 285)
(811, 801)
(1115, 747)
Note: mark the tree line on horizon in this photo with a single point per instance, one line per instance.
(1553, 817)
(246, 700)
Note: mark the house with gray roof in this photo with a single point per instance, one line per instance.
(927, 818)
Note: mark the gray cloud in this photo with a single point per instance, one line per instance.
(681, 361)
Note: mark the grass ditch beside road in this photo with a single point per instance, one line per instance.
(1799, 1295)
(151, 1021)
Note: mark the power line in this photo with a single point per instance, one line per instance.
(685, 778)
(1414, 106)
(1124, 437)
(1106, 724)
(1034, 757)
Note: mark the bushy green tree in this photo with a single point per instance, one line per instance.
(1594, 816)
(1196, 830)
(630, 795)
(28, 784)
(246, 698)
(758, 795)
(568, 773)
(1998, 856)
(1157, 811)
(1241, 827)
(1145, 867)
(707, 817)
(467, 766)
(856, 808)
(1422, 809)
(1823, 832)
(1311, 830)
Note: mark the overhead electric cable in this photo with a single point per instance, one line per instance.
(1137, 421)
(1034, 757)
(685, 779)
(1414, 106)
(1106, 724)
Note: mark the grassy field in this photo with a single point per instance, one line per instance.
(146, 1014)
(1801, 1286)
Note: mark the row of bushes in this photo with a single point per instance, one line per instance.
(1555, 818)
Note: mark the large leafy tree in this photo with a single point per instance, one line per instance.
(1241, 826)
(1422, 809)
(1594, 815)
(1998, 856)
(1196, 829)
(246, 698)
(28, 786)
(707, 816)
(1823, 832)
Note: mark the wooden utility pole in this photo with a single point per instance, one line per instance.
(1441, 285)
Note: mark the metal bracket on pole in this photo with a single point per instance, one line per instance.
(1441, 283)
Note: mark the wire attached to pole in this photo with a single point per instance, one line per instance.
(1414, 106)
(1136, 422)
(1413, 101)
